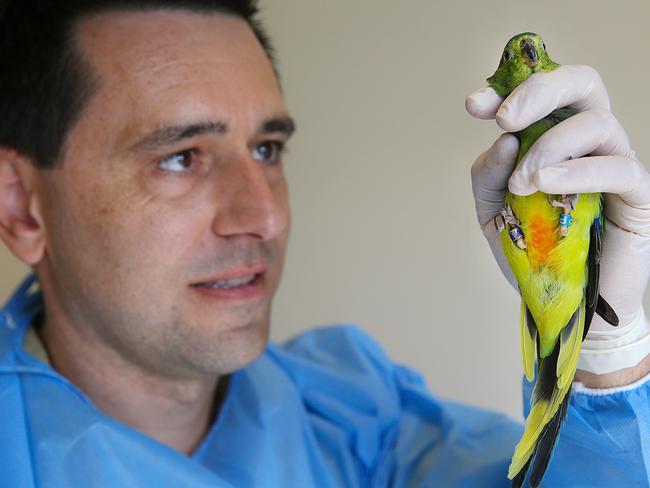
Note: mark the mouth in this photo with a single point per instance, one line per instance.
(242, 284)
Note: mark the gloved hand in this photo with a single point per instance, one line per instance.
(588, 152)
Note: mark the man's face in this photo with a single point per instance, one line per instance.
(170, 184)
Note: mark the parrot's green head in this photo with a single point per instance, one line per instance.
(524, 55)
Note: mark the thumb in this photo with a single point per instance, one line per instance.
(490, 174)
(483, 103)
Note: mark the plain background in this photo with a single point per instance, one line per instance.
(384, 232)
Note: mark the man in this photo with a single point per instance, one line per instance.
(141, 178)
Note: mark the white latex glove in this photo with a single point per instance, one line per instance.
(588, 152)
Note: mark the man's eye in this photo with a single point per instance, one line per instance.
(268, 151)
(177, 163)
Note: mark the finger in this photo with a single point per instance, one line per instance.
(493, 168)
(490, 174)
(595, 132)
(623, 176)
(576, 86)
(483, 103)
(626, 217)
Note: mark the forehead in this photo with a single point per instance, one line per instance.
(119, 38)
(171, 64)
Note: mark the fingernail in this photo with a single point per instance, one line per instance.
(515, 184)
(482, 94)
(520, 185)
(471, 105)
(504, 116)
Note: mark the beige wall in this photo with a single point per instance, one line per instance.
(384, 230)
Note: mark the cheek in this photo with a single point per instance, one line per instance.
(128, 236)
(281, 194)
(153, 239)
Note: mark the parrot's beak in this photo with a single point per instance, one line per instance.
(529, 50)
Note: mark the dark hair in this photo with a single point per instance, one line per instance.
(45, 82)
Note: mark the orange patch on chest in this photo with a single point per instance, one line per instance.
(541, 238)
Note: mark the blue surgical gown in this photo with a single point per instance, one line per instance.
(328, 408)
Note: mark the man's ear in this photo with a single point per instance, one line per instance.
(21, 223)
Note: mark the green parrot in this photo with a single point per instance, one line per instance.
(553, 244)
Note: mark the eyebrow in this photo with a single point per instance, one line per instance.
(282, 125)
(170, 135)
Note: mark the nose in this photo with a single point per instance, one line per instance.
(250, 201)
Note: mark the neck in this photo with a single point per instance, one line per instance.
(176, 412)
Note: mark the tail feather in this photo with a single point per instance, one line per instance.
(549, 401)
(518, 481)
(544, 450)
(547, 443)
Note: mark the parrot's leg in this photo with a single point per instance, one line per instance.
(517, 236)
(567, 203)
(508, 219)
(509, 216)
